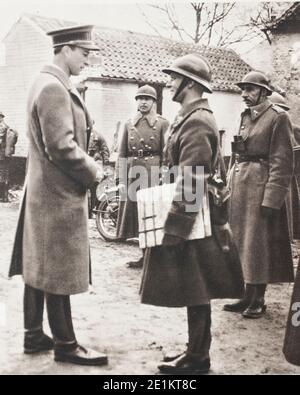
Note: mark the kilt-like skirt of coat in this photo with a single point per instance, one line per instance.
(190, 274)
(291, 347)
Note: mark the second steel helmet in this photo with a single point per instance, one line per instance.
(279, 100)
(193, 66)
(256, 78)
(146, 90)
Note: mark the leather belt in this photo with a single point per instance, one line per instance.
(239, 158)
(143, 153)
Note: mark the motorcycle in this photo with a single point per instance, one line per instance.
(107, 208)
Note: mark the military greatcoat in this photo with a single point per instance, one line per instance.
(141, 145)
(263, 242)
(51, 248)
(194, 271)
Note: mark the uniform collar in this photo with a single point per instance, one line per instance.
(256, 111)
(151, 118)
(186, 110)
(193, 105)
(57, 72)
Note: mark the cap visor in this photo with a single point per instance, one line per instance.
(90, 47)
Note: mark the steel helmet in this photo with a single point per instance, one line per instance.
(256, 78)
(193, 66)
(146, 90)
(279, 100)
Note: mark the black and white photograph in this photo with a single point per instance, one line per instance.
(149, 189)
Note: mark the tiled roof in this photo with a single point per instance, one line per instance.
(135, 56)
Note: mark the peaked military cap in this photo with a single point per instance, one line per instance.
(79, 36)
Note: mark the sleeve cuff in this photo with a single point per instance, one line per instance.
(274, 196)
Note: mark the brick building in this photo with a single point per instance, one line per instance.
(127, 60)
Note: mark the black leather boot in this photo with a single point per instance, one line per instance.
(244, 303)
(257, 308)
(196, 358)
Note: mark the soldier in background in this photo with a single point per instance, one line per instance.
(260, 180)
(141, 145)
(8, 140)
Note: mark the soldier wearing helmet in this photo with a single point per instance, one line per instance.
(182, 272)
(279, 100)
(260, 179)
(141, 145)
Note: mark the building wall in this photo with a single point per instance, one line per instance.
(26, 50)
(275, 60)
(260, 57)
(110, 105)
(286, 75)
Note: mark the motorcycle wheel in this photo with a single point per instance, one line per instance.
(106, 217)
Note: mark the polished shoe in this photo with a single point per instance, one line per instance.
(35, 344)
(256, 310)
(81, 356)
(135, 264)
(183, 365)
(171, 356)
(237, 307)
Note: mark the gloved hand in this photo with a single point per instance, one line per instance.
(268, 212)
(171, 240)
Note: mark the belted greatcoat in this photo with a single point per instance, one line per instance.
(263, 242)
(141, 145)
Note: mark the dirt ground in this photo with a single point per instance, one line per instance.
(110, 318)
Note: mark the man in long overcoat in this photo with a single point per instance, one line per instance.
(51, 248)
(185, 272)
(259, 182)
(141, 145)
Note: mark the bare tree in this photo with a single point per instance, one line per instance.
(219, 24)
(210, 23)
(266, 14)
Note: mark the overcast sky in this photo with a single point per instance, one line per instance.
(116, 14)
